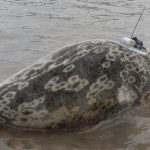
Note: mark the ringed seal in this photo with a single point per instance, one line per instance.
(75, 87)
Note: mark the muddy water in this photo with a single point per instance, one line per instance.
(128, 131)
(31, 29)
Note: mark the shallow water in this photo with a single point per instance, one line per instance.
(128, 131)
(31, 29)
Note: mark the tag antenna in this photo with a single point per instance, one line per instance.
(138, 21)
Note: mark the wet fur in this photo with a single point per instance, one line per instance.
(75, 87)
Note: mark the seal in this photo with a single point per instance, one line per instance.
(75, 87)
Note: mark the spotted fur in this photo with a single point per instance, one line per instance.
(77, 86)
